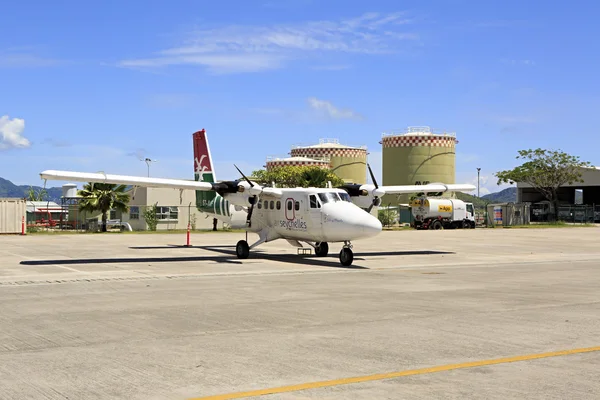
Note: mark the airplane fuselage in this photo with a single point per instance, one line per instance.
(303, 214)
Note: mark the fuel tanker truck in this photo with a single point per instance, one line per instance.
(438, 213)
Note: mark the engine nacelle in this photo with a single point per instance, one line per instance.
(243, 199)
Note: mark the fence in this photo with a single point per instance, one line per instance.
(508, 214)
(567, 213)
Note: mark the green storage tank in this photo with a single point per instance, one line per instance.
(349, 163)
(417, 156)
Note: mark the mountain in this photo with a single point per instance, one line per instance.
(9, 189)
(508, 195)
(477, 202)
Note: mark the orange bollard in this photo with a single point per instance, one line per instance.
(188, 235)
(23, 225)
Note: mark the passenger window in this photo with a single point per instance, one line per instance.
(278, 205)
(297, 205)
(272, 205)
(266, 204)
(313, 201)
(259, 205)
(289, 205)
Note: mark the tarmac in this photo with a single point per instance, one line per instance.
(449, 314)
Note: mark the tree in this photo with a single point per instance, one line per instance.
(103, 197)
(387, 217)
(546, 171)
(36, 196)
(297, 176)
(150, 217)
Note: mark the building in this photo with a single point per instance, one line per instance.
(349, 163)
(417, 156)
(573, 199)
(273, 162)
(175, 209)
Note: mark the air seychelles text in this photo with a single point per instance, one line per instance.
(293, 224)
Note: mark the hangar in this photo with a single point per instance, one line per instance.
(576, 201)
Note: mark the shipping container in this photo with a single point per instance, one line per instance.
(12, 212)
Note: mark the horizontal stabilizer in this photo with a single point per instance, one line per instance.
(100, 177)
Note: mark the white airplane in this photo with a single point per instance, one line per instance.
(315, 216)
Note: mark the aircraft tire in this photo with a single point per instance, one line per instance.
(321, 249)
(242, 250)
(346, 257)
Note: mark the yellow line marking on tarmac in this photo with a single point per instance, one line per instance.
(377, 377)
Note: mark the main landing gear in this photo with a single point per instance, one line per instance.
(321, 249)
(346, 255)
(242, 250)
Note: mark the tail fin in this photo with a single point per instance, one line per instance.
(203, 168)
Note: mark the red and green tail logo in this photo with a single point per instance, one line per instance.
(203, 169)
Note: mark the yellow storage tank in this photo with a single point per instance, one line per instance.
(273, 162)
(349, 163)
(417, 156)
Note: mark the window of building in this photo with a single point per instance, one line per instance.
(112, 214)
(134, 212)
(164, 213)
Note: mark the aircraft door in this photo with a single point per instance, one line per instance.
(290, 213)
(314, 214)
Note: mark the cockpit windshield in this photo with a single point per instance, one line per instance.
(332, 197)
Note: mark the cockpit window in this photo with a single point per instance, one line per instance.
(332, 197)
(345, 197)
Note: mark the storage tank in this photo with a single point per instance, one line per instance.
(417, 156)
(273, 162)
(347, 162)
(69, 190)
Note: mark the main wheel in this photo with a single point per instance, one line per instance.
(436, 225)
(242, 249)
(346, 257)
(321, 249)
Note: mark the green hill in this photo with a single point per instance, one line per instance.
(9, 189)
(508, 195)
(478, 203)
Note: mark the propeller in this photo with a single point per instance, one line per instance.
(254, 197)
(376, 193)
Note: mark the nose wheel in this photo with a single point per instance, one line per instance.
(346, 255)
(242, 249)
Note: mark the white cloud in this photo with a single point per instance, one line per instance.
(24, 57)
(11, 133)
(328, 110)
(529, 63)
(239, 48)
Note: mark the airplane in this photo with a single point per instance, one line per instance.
(314, 216)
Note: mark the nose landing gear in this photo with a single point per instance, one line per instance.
(346, 255)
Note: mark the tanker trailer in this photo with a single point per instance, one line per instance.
(438, 213)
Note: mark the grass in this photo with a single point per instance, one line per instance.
(547, 225)
(112, 232)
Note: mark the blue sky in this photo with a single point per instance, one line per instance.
(94, 87)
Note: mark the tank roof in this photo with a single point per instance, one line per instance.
(328, 143)
(306, 159)
(418, 131)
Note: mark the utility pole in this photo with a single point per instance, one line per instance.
(478, 169)
(148, 161)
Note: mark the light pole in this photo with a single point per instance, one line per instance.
(148, 161)
(478, 169)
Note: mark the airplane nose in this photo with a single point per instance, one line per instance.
(371, 226)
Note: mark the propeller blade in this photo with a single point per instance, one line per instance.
(373, 177)
(245, 177)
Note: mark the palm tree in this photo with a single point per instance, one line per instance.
(318, 177)
(103, 197)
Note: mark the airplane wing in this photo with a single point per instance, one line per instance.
(429, 188)
(99, 177)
